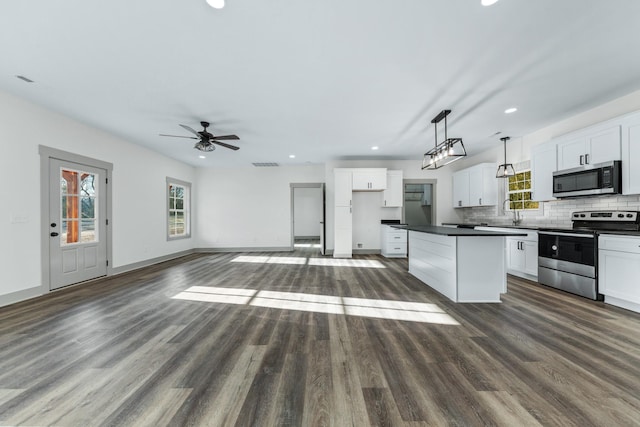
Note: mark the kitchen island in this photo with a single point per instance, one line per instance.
(463, 264)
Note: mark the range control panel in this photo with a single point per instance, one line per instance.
(609, 216)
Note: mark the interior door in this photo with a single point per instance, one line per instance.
(77, 221)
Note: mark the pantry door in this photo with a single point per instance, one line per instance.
(77, 223)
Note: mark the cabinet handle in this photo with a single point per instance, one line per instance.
(586, 159)
(350, 209)
(459, 202)
(581, 159)
(385, 203)
(480, 201)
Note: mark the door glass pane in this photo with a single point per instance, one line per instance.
(89, 232)
(70, 232)
(69, 205)
(179, 203)
(87, 184)
(88, 207)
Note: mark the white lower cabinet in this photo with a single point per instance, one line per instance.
(393, 242)
(619, 270)
(342, 245)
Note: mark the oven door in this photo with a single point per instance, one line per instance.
(575, 248)
(567, 261)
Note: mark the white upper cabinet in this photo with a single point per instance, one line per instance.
(461, 188)
(475, 186)
(543, 165)
(631, 154)
(392, 196)
(594, 145)
(342, 187)
(369, 179)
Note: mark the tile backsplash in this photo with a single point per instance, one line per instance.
(555, 213)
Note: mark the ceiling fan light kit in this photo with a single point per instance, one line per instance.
(505, 170)
(448, 151)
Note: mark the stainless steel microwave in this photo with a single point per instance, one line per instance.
(588, 180)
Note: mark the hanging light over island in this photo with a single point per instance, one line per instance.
(448, 151)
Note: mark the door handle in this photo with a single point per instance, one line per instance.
(54, 234)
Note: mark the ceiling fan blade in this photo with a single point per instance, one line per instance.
(190, 130)
(180, 136)
(233, 147)
(227, 137)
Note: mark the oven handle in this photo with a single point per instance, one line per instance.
(553, 233)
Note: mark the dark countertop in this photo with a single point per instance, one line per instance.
(620, 233)
(484, 224)
(458, 232)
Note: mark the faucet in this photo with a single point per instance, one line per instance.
(516, 213)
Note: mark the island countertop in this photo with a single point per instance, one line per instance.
(457, 232)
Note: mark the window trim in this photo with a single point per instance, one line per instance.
(538, 210)
(187, 208)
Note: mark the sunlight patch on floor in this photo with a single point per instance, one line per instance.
(306, 245)
(330, 304)
(256, 259)
(339, 262)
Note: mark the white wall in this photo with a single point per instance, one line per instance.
(307, 211)
(248, 207)
(138, 186)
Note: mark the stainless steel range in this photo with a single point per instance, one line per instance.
(568, 258)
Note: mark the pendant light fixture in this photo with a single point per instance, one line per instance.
(505, 170)
(448, 151)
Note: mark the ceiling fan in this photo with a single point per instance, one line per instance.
(206, 139)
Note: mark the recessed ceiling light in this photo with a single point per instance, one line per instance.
(216, 4)
(374, 148)
(292, 156)
(202, 157)
(488, 2)
(510, 110)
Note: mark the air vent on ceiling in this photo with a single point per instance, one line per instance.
(265, 164)
(28, 80)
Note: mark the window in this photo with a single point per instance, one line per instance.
(178, 209)
(520, 192)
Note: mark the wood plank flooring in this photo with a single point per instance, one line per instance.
(278, 339)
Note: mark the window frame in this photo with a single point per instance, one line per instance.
(186, 208)
(522, 170)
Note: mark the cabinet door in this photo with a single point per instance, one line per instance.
(476, 186)
(361, 180)
(543, 165)
(618, 275)
(461, 189)
(342, 187)
(378, 179)
(603, 146)
(392, 196)
(515, 256)
(369, 179)
(343, 230)
(631, 154)
(571, 153)
(530, 258)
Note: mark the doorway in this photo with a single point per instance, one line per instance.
(75, 211)
(419, 206)
(307, 216)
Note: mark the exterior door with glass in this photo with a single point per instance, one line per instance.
(77, 220)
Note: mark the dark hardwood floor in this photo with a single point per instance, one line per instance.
(295, 339)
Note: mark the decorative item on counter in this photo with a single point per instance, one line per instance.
(448, 151)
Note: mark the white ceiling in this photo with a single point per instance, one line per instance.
(321, 79)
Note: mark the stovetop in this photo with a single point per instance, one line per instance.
(590, 222)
